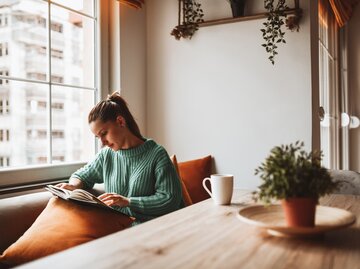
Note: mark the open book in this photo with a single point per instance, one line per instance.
(77, 195)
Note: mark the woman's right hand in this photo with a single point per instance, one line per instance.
(66, 186)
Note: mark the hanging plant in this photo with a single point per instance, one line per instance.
(190, 15)
(272, 31)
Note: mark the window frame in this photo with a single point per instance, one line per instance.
(24, 176)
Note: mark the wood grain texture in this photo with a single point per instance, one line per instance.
(208, 236)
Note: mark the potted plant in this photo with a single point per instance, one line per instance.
(189, 16)
(237, 7)
(295, 177)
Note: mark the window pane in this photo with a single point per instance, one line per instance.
(84, 6)
(28, 136)
(71, 137)
(24, 38)
(25, 140)
(71, 32)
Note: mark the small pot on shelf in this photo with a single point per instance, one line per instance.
(237, 7)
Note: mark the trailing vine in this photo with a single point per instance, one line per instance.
(191, 14)
(272, 31)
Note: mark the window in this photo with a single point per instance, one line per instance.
(3, 20)
(4, 135)
(4, 161)
(328, 85)
(4, 73)
(50, 92)
(58, 106)
(4, 106)
(4, 49)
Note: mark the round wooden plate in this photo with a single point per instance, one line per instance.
(272, 219)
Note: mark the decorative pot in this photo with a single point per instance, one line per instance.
(237, 7)
(300, 212)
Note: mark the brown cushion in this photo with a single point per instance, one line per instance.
(62, 225)
(185, 193)
(17, 214)
(192, 173)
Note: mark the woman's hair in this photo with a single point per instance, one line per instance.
(110, 109)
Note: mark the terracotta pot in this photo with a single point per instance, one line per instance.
(300, 212)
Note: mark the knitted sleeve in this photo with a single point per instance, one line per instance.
(167, 196)
(91, 173)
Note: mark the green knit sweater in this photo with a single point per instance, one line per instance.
(145, 174)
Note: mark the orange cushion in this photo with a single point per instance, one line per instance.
(185, 193)
(192, 173)
(61, 225)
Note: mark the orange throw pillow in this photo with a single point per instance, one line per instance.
(185, 193)
(192, 173)
(61, 225)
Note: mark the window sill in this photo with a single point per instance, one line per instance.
(11, 178)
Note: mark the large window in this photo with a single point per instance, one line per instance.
(329, 85)
(48, 82)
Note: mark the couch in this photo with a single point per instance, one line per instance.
(18, 213)
(17, 216)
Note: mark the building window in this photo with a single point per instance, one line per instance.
(58, 158)
(4, 135)
(4, 161)
(58, 134)
(6, 74)
(41, 134)
(57, 53)
(4, 106)
(36, 76)
(57, 79)
(58, 106)
(4, 50)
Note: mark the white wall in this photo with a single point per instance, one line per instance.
(218, 94)
(133, 59)
(354, 85)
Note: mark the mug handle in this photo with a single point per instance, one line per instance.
(204, 185)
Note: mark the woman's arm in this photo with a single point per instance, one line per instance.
(74, 183)
(167, 196)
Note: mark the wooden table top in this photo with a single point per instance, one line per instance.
(208, 236)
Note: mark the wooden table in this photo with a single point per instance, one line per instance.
(208, 236)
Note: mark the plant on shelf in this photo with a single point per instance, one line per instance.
(272, 31)
(295, 177)
(191, 14)
(237, 7)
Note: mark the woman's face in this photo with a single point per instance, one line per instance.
(110, 133)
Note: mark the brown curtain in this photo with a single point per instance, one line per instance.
(133, 3)
(343, 10)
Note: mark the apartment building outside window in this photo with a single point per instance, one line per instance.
(48, 93)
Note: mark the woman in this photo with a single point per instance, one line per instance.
(139, 177)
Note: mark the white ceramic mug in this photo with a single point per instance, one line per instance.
(221, 188)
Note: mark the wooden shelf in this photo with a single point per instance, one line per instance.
(291, 11)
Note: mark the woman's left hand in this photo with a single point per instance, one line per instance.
(114, 199)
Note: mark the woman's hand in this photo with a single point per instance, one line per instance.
(66, 186)
(74, 183)
(114, 199)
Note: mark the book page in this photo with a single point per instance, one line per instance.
(77, 194)
(83, 195)
(63, 193)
